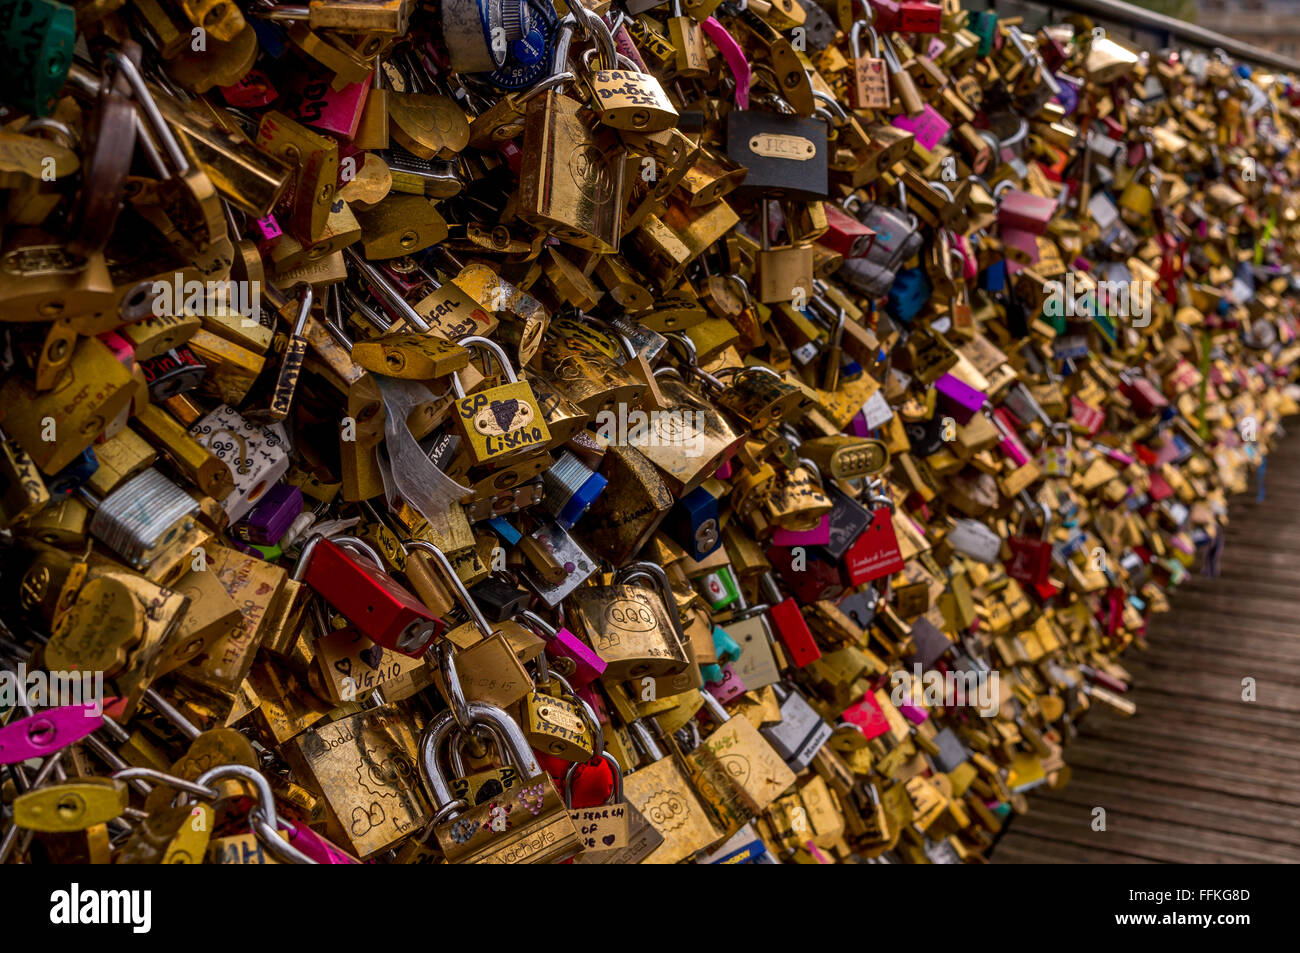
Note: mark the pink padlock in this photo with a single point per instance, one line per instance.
(819, 535)
(867, 717)
(267, 231)
(730, 688)
(313, 102)
(316, 847)
(929, 127)
(913, 713)
(734, 56)
(561, 643)
(1008, 440)
(48, 731)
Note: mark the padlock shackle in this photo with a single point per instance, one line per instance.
(692, 359)
(145, 101)
(602, 37)
(636, 727)
(809, 464)
(342, 541)
(1029, 504)
(495, 350)
(61, 130)
(263, 820)
(469, 733)
(444, 653)
(832, 104)
(616, 795)
(458, 588)
(379, 281)
(440, 728)
(162, 777)
(537, 622)
(171, 713)
(719, 713)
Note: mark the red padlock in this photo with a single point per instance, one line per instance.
(808, 576)
(915, 16)
(373, 601)
(888, 15)
(875, 554)
(1031, 558)
(789, 625)
(845, 234)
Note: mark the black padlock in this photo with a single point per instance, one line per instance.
(786, 156)
(848, 520)
(498, 599)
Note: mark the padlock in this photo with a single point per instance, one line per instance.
(690, 60)
(624, 98)
(801, 732)
(663, 794)
(381, 609)
(636, 631)
(561, 724)
(529, 824)
(897, 239)
(584, 207)
(786, 273)
(786, 156)
(364, 766)
(870, 78)
(141, 518)
(1031, 559)
(502, 421)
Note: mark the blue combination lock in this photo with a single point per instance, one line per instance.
(478, 33)
(529, 56)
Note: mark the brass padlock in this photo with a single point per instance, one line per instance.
(784, 274)
(502, 421)
(584, 206)
(635, 630)
(528, 824)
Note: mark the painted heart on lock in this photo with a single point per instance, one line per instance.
(372, 656)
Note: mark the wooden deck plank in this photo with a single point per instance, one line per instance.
(1198, 775)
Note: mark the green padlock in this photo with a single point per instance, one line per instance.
(38, 41)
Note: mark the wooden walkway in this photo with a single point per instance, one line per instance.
(1197, 775)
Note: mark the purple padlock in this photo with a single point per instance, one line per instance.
(858, 426)
(913, 713)
(958, 398)
(272, 517)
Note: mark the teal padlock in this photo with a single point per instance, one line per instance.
(39, 36)
(726, 649)
(984, 25)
